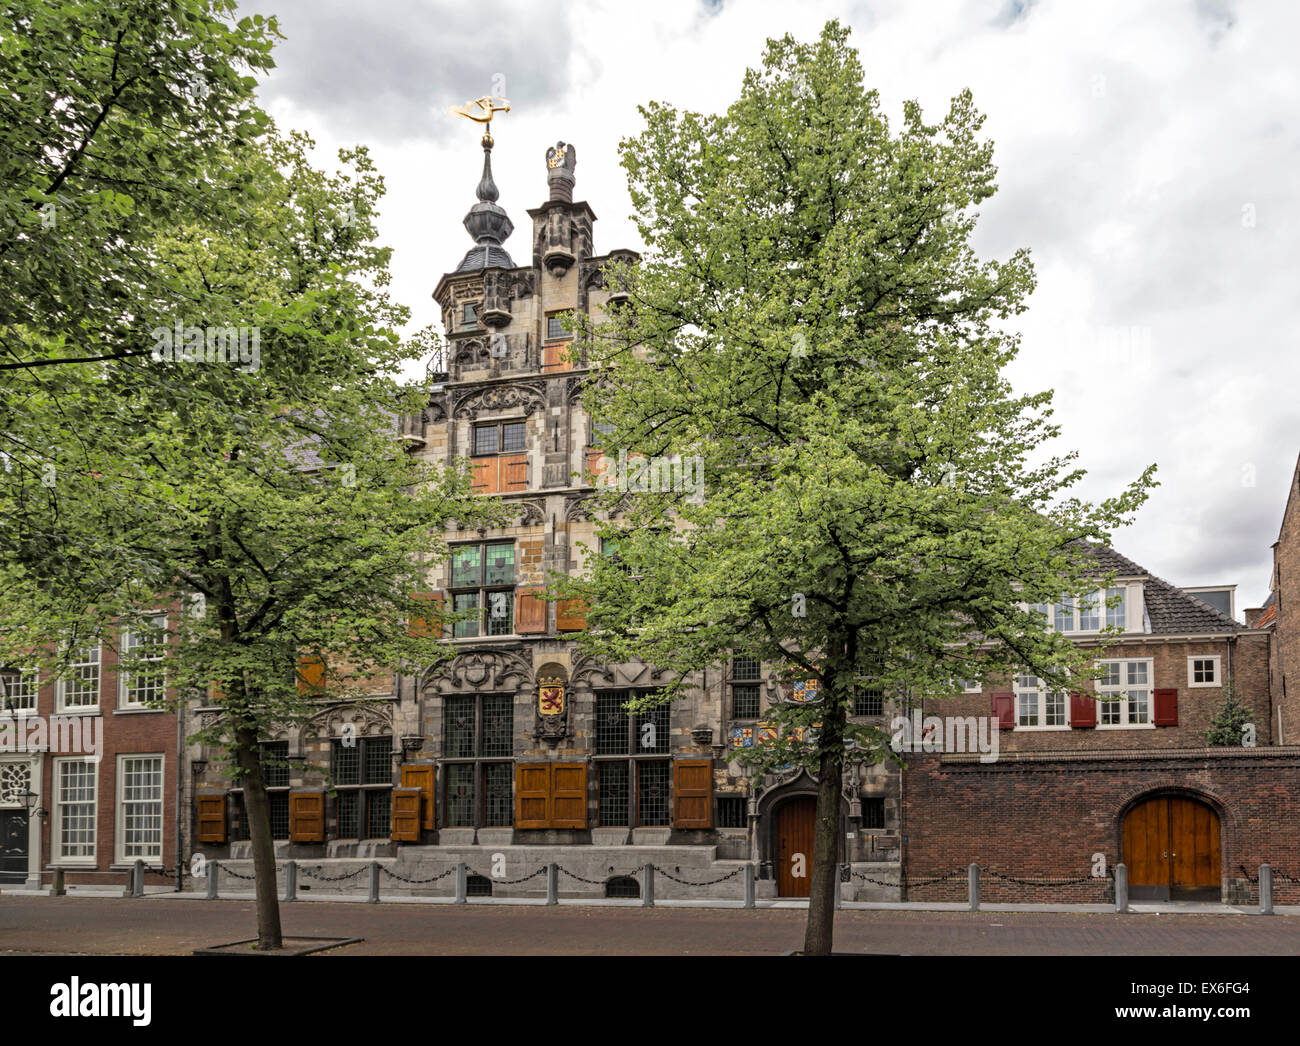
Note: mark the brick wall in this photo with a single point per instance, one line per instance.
(1044, 819)
(1286, 580)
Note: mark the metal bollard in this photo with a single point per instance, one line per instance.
(213, 868)
(973, 886)
(374, 883)
(291, 880)
(58, 889)
(749, 886)
(462, 887)
(137, 885)
(552, 884)
(648, 886)
(1265, 889)
(1121, 889)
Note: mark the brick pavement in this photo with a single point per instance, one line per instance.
(173, 926)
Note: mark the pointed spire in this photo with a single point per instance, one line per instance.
(487, 222)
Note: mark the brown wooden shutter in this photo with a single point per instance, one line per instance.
(485, 479)
(552, 352)
(406, 815)
(311, 674)
(568, 795)
(420, 775)
(514, 472)
(210, 810)
(1083, 709)
(1166, 710)
(596, 462)
(571, 615)
(429, 625)
(1004, 707)
(530, 611)
(693, 793)
(306, 817)
(532, 786)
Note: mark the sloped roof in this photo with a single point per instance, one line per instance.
(1171, 610)
(1268, 612)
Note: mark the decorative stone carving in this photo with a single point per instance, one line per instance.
(367, 719)
(552, 707)
(479, 667)
(587, 669)
(532, 513)
(15, 779)
(577, 509)
(530, 396)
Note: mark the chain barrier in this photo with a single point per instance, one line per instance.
(231, 871)
(415, 882)
(508, 882)
(598, 882)
(310, 874)
(1039, 882)
(960, 873)
(167, 873)
(868, 879)
(1276, 875)
(686, 882)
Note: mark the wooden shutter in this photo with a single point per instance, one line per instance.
(532, 785)
(693, 793)
(514, 472)
(1166, 710)
(486, 473)
(210, 808)
(530, 611)
(568, 795)
(552, 353)
(571, 615)
(420, 775)
(1083, 709)
(311, 674)
(429, 625)
(596, 462)
(406, 815)
(306, 817)
(1004, 707)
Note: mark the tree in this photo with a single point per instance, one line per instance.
(1231, 725)
(267, 494)
(811, 329)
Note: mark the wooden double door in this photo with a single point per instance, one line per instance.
(1171, 848)
(796, 821)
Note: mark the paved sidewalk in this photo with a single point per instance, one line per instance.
(176, 925)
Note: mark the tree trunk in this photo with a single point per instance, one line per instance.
(826, 839)
(259, 831)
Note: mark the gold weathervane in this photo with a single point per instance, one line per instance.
(481, 110)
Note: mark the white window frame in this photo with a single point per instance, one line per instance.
(971, 686)
(1191, 669)
(120, 856)
(1038, 692)
(1122, 688)
(159, 619)
(1106, 616)
(61, 702)
(56, 830)
(30, 681)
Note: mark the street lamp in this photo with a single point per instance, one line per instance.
(29, 800)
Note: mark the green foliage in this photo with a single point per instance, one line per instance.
(1231, 724)
(811, 321)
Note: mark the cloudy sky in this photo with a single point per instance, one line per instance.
(1149, 157)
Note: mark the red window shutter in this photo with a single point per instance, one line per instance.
(420, 775)
(532, 788)
(428, 625)
(571, 615)
(211, 816)
(1083, 709)
(693, 793)
(306, 817)
(530, 611)
(406, 815)
(1004, 707)
(514, 472)
(485, 479)
(1166, 711)
(568, 795)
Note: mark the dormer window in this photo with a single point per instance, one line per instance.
(1083, 613)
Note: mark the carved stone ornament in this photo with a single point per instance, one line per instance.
(364, 719)
(530, 397)
(476, 668)
(532, 513)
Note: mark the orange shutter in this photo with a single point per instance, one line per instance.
(514, 472)
(420, 775)
(430, 625)
(571, 616)
(596, 462)
(568, 795)
(311, 674)
(530, 611)
(211, 816)
(553, 352)
(485, 479)
(406, 815)
(693, 793)
(532, 782)
(306, 817)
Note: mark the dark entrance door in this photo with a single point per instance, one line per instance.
(795, 822)
(1171, 848)
(13, 846)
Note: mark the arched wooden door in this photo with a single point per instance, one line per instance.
(1171, 848)
(796, 820)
